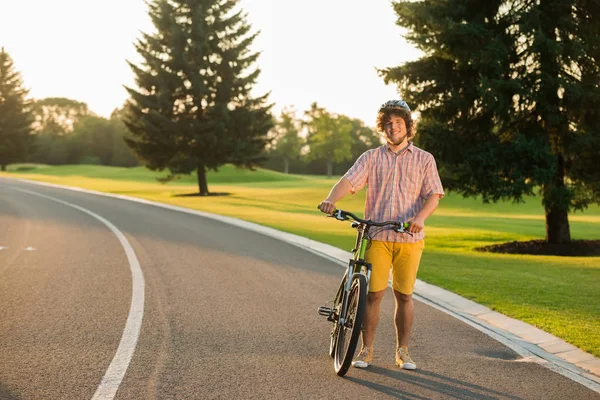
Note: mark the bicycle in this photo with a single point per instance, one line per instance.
(348, 306)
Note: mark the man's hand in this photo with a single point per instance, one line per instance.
(338, 191)
(327, 207)
(416, 224)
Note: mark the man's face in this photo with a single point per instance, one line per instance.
(395, 130)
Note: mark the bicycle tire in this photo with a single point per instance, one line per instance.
(334, 325)
(333, 339)
(347, 337)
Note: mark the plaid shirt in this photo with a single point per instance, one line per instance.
(397, 186)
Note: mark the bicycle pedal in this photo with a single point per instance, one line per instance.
(325, 311)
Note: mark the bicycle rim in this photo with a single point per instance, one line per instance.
(333, 339)
(349, 333)
(334, 326)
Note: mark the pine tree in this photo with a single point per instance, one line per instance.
(193, 110)
(509, 97)
(15, 114)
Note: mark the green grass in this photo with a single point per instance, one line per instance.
(227, 174)
(560, 295)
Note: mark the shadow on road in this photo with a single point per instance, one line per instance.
(436, 385)
(7, 394)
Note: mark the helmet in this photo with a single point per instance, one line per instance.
(394, 105)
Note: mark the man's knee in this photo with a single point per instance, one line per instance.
(404, 298)
(375, 297)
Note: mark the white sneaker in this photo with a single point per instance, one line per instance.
(364, 358)
(403, 359)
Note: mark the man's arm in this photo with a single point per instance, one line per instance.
(418, 222)
(338, 191)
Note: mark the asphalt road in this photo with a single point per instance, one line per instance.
(228, 314)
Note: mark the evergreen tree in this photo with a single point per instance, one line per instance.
(509, 97)
(193, 110)
(15, 114)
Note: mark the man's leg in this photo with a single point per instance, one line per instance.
(405, 265)
(369, 325)
(379, 254)
(371, 318)
(403, 318)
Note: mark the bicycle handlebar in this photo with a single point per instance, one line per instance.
(342, 215)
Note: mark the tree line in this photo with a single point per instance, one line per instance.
(508, 93)
(56, 131)
(319, 142)
(65, 131)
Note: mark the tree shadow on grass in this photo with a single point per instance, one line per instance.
(212, 194)
(575, 248)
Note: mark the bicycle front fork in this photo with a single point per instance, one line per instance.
(354, 266)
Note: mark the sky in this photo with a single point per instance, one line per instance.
(323, 51)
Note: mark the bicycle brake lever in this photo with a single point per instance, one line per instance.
(339, 217)
(403, 231)
(336, 214)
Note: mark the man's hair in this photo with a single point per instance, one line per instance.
(383, 117)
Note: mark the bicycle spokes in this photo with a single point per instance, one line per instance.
(349, 331)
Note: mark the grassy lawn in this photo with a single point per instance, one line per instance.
(560, 295)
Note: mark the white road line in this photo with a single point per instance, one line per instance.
(116, 370)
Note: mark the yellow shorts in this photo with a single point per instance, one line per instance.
(403, 258)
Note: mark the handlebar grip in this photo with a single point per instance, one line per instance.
(334, 211)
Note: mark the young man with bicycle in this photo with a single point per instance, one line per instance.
(403, 184)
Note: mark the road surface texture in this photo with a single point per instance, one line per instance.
(227, 314)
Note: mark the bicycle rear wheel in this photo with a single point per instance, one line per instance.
(349, 332)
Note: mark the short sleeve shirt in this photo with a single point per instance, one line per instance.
(397, 186)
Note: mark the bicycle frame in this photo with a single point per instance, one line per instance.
(349, 303)
(356, 264)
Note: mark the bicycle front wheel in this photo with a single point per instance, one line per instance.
(349, 331)
(337, 305)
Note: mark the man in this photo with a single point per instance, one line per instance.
(403, 185)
